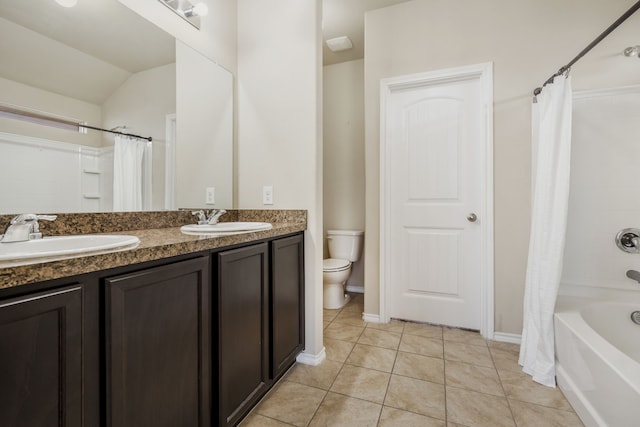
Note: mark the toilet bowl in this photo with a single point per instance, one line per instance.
(345, 247)
(335, 273)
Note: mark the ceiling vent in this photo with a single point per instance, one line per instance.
(338, 44)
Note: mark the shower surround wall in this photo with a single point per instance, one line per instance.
(605, 193)
(44, 175)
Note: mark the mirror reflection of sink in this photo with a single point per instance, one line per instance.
(64, 245)
(225, 227)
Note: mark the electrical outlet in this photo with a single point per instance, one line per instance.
(267, 195)
(211, 196)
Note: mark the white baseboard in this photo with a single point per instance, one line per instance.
(358, 289)
(311, 359)
(506, 337)
(373, 318)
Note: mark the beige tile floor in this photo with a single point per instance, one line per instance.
(407, 374)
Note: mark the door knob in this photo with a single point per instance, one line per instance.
(472, 217)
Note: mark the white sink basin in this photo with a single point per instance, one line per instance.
(225, 227)
(55, 246)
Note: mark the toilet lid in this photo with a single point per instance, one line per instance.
(334, 264)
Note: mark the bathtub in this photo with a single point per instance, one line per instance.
(598, 360)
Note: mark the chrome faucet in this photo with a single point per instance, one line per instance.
(629, 240)
(24, 227)
(202, 217)
(209, 217)
(215, 215)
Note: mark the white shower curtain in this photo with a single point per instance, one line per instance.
(128, 154)
(551, 154)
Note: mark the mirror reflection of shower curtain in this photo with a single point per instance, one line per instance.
(131, 174)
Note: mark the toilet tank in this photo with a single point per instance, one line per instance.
(345, 244)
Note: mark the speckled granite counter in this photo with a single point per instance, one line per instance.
(159, 234)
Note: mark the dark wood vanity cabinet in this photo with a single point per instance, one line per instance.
(194, 340)
(41, 358)
(260, 322)
(287, 303)
(158, 346)
(243, 330)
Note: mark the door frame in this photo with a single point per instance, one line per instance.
(170, 162)
(484, 73)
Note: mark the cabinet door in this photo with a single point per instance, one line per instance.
(158, 346)
(41, 359)
(287, 302)
(243, 327)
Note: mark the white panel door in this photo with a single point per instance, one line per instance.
(434, 197)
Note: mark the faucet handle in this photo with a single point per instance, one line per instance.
(25, 227)
(25, 218)
(214, 215)
(633, 274)
(202, 217)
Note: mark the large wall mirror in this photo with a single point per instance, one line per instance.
(101, 64)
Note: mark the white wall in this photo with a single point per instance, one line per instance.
(343, 152)
(605, 189)
(204, 147)
(216, 38)
(527, 41)
(279, 125)
(48, 103)
(144, 100)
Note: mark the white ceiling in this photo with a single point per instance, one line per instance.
(84, 52)
(87, 51)
(346, 18)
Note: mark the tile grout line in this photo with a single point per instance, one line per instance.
(455, 340)
(271, 418)
(513, 417)
(326, 392)
(444, 374)
(254, 410)
(395, 359)
(345, 363)
(407, 376)
(339, 371)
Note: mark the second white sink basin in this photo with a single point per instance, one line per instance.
(225, 227)
(55, 246)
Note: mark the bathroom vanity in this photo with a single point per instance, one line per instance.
(180, 331)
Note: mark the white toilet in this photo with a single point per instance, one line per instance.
(345, 247)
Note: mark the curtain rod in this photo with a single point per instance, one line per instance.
(36, 117)
(591, 45)
(148, 138)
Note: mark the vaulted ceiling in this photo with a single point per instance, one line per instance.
(87, 51)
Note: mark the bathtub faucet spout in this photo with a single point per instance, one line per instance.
(633, 274)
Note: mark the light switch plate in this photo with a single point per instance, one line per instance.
(211, 196)
(267, 195)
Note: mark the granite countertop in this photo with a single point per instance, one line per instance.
(164, 241)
